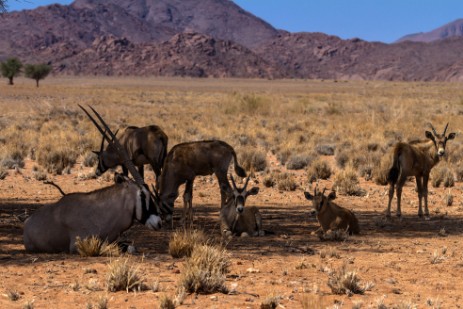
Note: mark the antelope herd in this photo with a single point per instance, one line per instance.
(108, 212)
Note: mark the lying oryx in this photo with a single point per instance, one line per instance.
(145, 145)
(104, 213)
(235, 219)
(331, 216)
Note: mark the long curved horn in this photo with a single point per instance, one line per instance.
(324, 189)
(113, 140)
(102, 144)
(434, 130)
(233, 181)
(445, 129)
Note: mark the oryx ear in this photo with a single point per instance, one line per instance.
(451, 136)
(253, 191)
(119, 178)
(308, 195)
(332, 195)
(429, 135)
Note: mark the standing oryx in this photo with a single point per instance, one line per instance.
(104, 213)
(186, 161)
(416, 159)
(145, 145)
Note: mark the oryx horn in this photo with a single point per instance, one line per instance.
(113, 140)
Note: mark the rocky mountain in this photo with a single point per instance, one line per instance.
(450, 30)
(207, 38)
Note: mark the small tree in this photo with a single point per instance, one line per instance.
(37, 71)
(11, 68)
(2, 6)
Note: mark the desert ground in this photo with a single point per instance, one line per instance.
(281, 131)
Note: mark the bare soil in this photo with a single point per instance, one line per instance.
(410, 261)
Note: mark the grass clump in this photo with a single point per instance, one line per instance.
(3, 172)
(252, 159)
(13, 295)
(166, 302)
(346, 182)
(343, 281)
(182, 242)
(271, 302)
(124, 276)
(285, 181)
(298, 161)
(205, 270)
(442, 175)
(319, 170)
(94, 246)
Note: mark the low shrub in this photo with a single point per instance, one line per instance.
(182, 242)
(205, 270)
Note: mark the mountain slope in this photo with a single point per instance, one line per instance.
(453, 29)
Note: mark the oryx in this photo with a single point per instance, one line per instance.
(416, 159)
(104, 213)
(145, 145)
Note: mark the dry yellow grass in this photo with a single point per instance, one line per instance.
(286, 117)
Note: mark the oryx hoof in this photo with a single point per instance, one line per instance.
(427, 218)
(244, 235)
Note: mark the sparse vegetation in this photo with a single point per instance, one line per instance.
(166, 302)
(343, 281)
(37, 71)
(182, 242)
(124, 276)
(252, 159)
(93, 246)
(346, 182)
(318, 170)
(205, 270)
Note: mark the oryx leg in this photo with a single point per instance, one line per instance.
(157, 173)
(425, 195)
(419, 186)
(188, 203)
(400, 185)
(391, 196)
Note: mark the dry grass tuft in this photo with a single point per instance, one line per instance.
(319, 169)
(205, 270)
(252, 159)
(299, 161)
(182, 242)
(271, 302)
(346, 182)
(3, 172)
(94, 246)
(166, 302)
(284, 181)
(442, 175)
(124, 276)
(13, 295)
(342, 281)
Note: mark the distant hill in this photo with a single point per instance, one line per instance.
(209, 38)
(450, 30)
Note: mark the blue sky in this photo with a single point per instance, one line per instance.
(371, 20)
